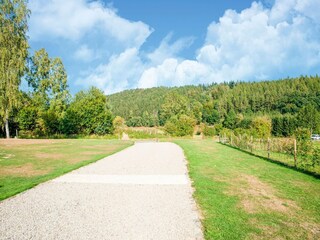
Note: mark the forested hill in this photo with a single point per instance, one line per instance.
(140, 102)
(212, 104)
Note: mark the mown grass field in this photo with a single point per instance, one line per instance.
(25, 163)
(245, 197)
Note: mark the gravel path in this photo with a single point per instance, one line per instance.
(142, 192)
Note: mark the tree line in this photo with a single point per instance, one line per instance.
(285, 105)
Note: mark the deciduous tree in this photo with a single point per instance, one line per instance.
(13, 53)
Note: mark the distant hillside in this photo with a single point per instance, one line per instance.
(133, 103)
(212, 104)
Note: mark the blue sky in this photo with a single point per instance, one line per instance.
(139, 44)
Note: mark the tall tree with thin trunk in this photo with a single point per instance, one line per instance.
(13, 53)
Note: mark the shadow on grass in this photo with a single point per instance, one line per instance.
(313, 174)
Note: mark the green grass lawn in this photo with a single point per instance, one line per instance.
(245, 197)
(25, 163)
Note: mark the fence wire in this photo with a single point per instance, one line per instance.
(284, 150)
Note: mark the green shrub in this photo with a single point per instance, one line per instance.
(218, 128)
(208, 130)
(304, 143)
(180, 126)
(144, 134)
(302, 134)
(316, 157)
(261, 127)
(27, 118)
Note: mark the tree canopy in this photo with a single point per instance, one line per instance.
(13, 53)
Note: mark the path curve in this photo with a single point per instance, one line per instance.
(142, 192)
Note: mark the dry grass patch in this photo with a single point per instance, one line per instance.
(26, 170)
(51, 156)
(26, 162)
(313, 230)
(257, 196)
(22, 142)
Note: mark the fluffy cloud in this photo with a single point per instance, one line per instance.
(168, 50)
(73, 19)
(258, 43)
(84, 53)
(117, 74)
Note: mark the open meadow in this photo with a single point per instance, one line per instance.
(25, 163)
(245, 197)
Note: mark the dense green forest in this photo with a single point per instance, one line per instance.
(288, 103)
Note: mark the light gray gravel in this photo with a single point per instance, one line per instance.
(142, 192)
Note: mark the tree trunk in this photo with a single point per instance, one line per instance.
(7, 125)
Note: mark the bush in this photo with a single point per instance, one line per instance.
(241, 132)
(261, 127)
(283, 125)
(304, 143)
(230, 120)
(316, 157)
(245, 123)
(104, 125)
(208, 130)
(27, 118)
(88, 113)
(144, 134)
(118, 124)
(302, 134)
(180, 126)
(218, 128)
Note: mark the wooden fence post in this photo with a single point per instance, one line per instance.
(295, 152)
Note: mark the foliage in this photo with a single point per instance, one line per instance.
(283, 125)
(210, 115)
(145, 133)
(261, 127)
(90, 113)
(309, 117)
(118, 124)
(304, 146)
(27, 118)
(13, 53)
(180, 126)
(302, 134)
(50, 94)
(234, 104)
(174, 105)
(208, 131)
(230, 120)
(218, 128)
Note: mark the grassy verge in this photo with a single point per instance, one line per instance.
(245, 197)
(26, 163)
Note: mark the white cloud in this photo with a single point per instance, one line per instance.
(174, 73)
(117, 74)
(84, 53)
(169, 50)
(256, 44)
(73, 19)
